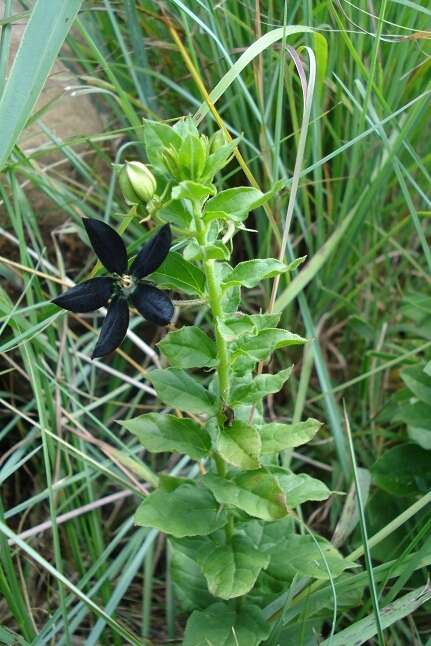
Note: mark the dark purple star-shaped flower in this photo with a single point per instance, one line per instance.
(124, 285)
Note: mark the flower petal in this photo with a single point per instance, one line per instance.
(114, 327)
(152, 253)
(87, 296)
(153, 304)
(107, 244)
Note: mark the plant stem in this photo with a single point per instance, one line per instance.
(220, 465)
(214, 302)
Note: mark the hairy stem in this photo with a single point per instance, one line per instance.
(214, 302)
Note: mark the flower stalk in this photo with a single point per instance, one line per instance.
(214, 296)
(214, 301)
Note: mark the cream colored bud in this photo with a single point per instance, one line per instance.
(141, 179)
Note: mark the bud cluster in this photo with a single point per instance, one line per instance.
(194, 158)
(175, 155)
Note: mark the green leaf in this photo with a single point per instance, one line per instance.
(223, 625)
(218, 159)
(192, 251)
(236, 203)
(419, 382)
(176, 213)
(176, 273)
(239, 444)
(216, 251)
(178, 389)
(159, 432)
(251, 272)
(188, 510)
(262, 385)
(292, 266)
(421, 436)
(192, 546)
(189, 190)
(231, 570)
(403, 470)
(300, 487)
(417, 416)
(277, 437)
(190, 585)
(236, 326)
(263, 321)
(258, 493)
(156, 137)
(266, 342)
(170, 483)
(266, 536)
(231, 297)
(186, 126)
(189, 347)
(299, 554)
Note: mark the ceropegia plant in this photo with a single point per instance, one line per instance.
(233, 530)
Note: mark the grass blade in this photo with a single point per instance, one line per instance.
(46, 30)
(367, 553)
(363, 630)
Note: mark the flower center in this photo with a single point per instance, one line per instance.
(126, 281)
(127, 284)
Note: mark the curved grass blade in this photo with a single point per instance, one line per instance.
(364, 533)
(46, 30)
(365, 629)
(253, 51)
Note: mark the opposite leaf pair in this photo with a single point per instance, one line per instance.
(124, 285)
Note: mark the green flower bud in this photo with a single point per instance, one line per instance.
(170, 160)
(217, 141)
(142, 180)
(206, 142)
(129, 194)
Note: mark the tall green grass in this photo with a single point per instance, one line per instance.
(361, 216)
